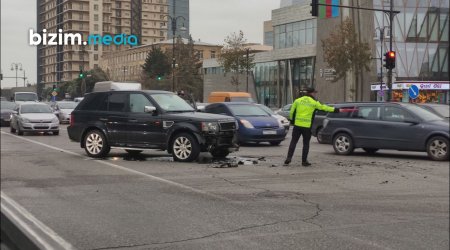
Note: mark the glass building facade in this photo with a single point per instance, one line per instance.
(421, 41)
(295, 34)
(179, 8)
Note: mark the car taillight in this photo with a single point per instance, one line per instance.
(72, 120)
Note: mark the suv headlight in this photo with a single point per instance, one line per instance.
(210, 127)
(246, 123)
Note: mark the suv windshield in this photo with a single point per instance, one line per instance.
(423, 113)
(171, 102)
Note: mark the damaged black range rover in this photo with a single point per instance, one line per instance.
(149, 119)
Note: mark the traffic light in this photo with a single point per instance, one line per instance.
(389, 60)
(314, 8)
(82, 74)
(159, 77)
(54, 87)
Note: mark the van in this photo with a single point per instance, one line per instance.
(229, 97)
(110, 85)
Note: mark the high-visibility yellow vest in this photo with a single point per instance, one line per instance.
(304, 108)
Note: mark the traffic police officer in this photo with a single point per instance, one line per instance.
(301, 116)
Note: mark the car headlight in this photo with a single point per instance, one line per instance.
(284, 121)
(24, 120)
(210, 126)
(246, 123)
(55, 120)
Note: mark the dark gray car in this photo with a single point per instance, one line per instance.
(399, 126)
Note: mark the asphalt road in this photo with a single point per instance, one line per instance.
(392, 200)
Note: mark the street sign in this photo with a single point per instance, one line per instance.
(413, 91)
(54, 93)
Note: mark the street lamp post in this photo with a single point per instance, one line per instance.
(16, 66)
(173, 21)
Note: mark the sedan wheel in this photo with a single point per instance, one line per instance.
(437, 148)
(319, 137)
(185, 148)
(343, 144)
(95, 144)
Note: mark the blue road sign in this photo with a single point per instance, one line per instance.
(413, 92)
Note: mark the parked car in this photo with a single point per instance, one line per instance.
(442, 110)
(34, 117)
(149, 119)
(254, 124)
(78, 99)
(284, 111)
(319, 117)
(399, 126)
(21, 97)
(285, 122)
(64, 109)
(6, 111)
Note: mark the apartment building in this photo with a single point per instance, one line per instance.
(145, 19)
(126, 65)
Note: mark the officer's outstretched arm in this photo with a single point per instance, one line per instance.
(324, 107)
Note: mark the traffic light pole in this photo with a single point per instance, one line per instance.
(390, 12)
(389, 80)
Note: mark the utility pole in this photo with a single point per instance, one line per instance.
(247, 68)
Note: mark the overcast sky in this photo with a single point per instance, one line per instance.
(211, 21)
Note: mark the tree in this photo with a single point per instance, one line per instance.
(155, 70)
(188, 69)
(343, 52)
(233, 57)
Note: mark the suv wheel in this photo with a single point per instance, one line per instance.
(343, 144)
(220, 153)
(371, 150)
(185, 148)
(437, 148)
(95, 144)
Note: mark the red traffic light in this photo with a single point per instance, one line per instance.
(391, 54)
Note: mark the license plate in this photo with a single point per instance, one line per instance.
(269, 132)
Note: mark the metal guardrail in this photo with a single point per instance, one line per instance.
(21, 230)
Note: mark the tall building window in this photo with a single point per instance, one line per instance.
(295, 34)
(95, 6)
(213, 54)
(95, 17)
(95, 27)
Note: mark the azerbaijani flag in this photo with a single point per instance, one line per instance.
(328, 11)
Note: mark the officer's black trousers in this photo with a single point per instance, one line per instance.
(296, 133)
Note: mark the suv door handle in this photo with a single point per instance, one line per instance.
(103, 119)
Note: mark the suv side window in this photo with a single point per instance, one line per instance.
(117, 102)
(219, 109)
(138, 103)
(367, 112)
(395, 114)
(346, 111)
(96, 101)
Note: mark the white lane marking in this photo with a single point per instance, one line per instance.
(125, 169)
(24, 225)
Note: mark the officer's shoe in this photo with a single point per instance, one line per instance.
(286, 162)
(306, 164)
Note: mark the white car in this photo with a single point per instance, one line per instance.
(281, 119)
(64, 109)
(34, 117)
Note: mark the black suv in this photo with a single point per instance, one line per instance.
(149, 119)
(384, 125)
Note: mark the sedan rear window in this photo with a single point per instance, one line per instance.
(247, 110)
